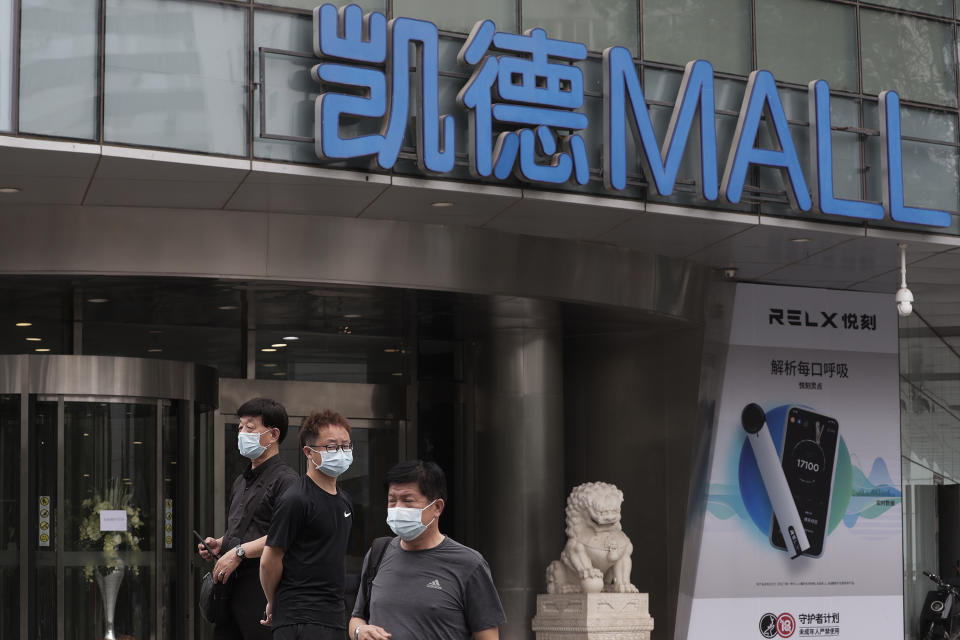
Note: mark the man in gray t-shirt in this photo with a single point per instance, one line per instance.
(427, 586)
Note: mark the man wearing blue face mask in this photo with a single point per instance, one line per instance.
(427, 586)
(302, 569)
(255, 492)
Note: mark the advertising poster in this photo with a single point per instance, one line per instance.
(802, 534)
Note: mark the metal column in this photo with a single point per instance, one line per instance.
(519, 450)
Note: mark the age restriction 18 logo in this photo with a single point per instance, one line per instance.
(772, 625)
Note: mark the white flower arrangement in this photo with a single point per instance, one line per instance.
(110, 543)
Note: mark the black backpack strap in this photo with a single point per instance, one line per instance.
(377, 549)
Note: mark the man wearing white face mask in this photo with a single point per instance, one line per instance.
(255, 492)
(302, 568)
(427, 586)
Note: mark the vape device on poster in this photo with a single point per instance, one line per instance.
(809, 452)
(786, 517)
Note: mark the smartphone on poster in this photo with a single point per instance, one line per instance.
(808, 454)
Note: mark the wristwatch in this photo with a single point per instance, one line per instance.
(240, 552)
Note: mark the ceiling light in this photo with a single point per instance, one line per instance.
(34, 339)
(98, 300)
(228, 307)
(9, 190)
(267, 350)
(442, 203)
(290, 338)
(173, 462)
(270, 364)
(396, 373)
(138, 442)
(24, 324)
(391, 350)
(85, 435)
(279, 345)
(352, 315)
(42, 350)
(279, 373)
(800, 240)
(154, 350)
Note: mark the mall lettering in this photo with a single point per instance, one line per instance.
(522, 101)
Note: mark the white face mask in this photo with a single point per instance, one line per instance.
(332, 463)
(249, 445)
(407, 522)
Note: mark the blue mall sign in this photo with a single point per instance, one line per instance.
(523, 98)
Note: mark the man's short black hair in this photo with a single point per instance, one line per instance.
(429, 477)
(271, 412)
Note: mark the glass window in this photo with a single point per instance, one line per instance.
(58, 68)
(909, 55)
(678, 31)
(929, 174)
(290, 92)
(804, 40)
(366, 5)
(7, 20)
(936, 7)
(110, 466)
(176, 75)
(599, 24)
(460, 15)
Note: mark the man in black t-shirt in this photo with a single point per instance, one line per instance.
(302, 568)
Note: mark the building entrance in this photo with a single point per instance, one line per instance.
(98, 466)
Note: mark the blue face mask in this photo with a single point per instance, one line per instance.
(407, 522)
(332, 463)
(249, 445)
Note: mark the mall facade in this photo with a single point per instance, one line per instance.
(509, 281)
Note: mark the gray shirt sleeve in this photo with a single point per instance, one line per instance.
(482, 606)
(361, 602)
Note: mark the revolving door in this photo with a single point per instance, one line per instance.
(97, 459)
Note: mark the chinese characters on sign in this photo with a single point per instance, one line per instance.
(524, 105)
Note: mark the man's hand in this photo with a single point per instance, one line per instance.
(267, 615)
(226, 565)
(213, 543)
(372, 632)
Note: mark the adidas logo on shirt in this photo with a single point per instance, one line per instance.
(434, 584)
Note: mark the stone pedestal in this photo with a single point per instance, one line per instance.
(593, 616)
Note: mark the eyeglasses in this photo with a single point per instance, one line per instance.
(330, 448)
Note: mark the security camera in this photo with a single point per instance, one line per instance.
(904, 301)
(904, 296)
(730, 273)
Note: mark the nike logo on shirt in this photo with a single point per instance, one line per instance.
(346, 514)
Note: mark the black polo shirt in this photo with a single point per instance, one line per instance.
(258, 489)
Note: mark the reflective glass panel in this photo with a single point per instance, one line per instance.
(935, 7)
(290, 93)
(7, 21)
(43, 415)
(10, 602)
(58, 67)
(176, 75)
(111, 519)
(366, 5)
(679, 31)
(203, 504)
(599, 24)
(177, 541)
(460, 15)
(804, 40)
(912, 56)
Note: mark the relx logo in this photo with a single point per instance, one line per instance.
(801, 318)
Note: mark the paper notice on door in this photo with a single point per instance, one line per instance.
(113, 520)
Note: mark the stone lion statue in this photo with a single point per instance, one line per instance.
(597, 554)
